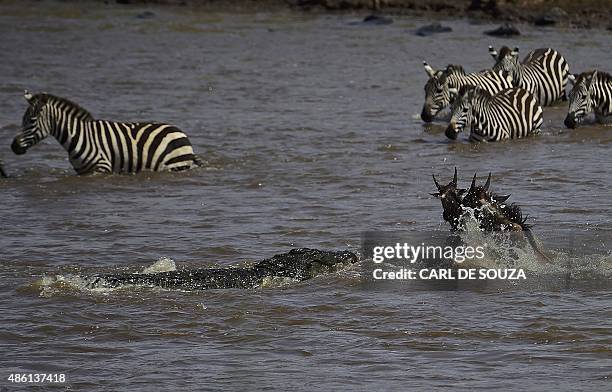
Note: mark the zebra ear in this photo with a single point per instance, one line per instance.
(28, 96)
(430, 71)
(515, 51)
(493, 52)
(571, 78)
(589, 78)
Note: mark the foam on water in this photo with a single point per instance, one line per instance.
(277, 282)
(504, 252)
(163, 264)
(56, 285)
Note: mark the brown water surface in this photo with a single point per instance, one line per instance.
(309, 126)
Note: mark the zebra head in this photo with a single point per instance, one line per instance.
(580, 102)
(506, 61)
(461, 111)
(437, 96)
(35, 125)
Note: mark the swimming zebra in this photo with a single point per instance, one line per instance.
(438, 96)
(592, 92)
(544, 72)
(509, 114)
(99, 146)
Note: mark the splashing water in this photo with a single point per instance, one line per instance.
(163, 264)
(511, 250)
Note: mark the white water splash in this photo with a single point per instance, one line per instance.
(509, 251)
(277, 281)
(60, 284)
(51, 285)
(163, 264)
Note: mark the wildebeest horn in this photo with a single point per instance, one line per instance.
(436, 182)
(486, 186)
(501, 198)
(455, 178)
(473, 186)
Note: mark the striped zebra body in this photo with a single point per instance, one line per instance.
(592, 92)
(440, 84)
(99, 146)
(510, 114)
(544, 72)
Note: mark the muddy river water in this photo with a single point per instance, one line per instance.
(310, 131)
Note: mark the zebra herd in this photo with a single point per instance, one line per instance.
(506, 101)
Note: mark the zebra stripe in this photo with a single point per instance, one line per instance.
(543, 72)
(512, 113)
(592, 92)
(437, 88)
(100, 146)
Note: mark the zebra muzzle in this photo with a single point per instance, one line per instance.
(17, 147)
(570, 121)
(426, 115)
(451, 132)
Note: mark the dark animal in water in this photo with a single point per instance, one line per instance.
(2, 172)
(373, 20)
(451, 198)
(487, 208)
(505, 30)
(431, 29)
(298, 264)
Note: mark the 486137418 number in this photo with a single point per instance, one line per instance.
(37, 378)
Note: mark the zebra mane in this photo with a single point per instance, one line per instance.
(439, 75)
(468, 87)
(580, 78)
(79, 111)
(473, 91)
(602, 76)
(455, 69)
(504, 51)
